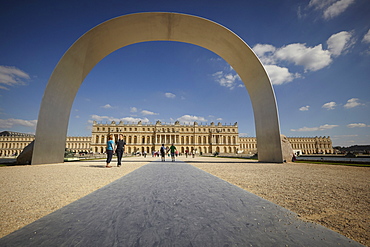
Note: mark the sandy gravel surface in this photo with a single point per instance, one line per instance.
(334, 196)
(28, 193)
(337, 197)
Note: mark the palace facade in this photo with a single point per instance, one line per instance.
(144, 137)
(150, 137)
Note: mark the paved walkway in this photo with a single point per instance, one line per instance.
(173, 204)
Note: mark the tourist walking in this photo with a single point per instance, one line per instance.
(120, 148)
(172, 151)
(163, 152)
(109, 150)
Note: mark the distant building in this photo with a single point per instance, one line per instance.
(303, 145)
(140, 137)
(12, 143)
(355, 149)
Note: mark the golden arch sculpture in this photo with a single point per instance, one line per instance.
(125, 30)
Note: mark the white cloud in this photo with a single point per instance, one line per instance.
(102, 118)
(145, 112)
(191, 119)
(170, 95)
(9, 123)
(11, 76)
(366, 38)
(352, 103)
(265, 53)
(327, 126)
(133, 109)
(277, 74)
(330, 8)
(343, 136)
(107, 106)
(311, 58)
(357, 125)
(228, 80)
(134, 120)
(320, 4)
(339, 43)
(337, 8)
(215, 59)
(304, 108)
(322, 127)
(125, 119)
(329, 105)
(219, 119)
(280, 75)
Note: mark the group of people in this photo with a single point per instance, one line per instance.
(118, 147)
(171, 149)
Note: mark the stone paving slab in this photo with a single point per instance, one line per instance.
(173, 204)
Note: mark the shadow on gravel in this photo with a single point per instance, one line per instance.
(95, 166)
(225, 162)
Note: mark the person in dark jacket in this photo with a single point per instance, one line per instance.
(120, 148)
(163, 152)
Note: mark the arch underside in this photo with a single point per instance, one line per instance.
(122, 31)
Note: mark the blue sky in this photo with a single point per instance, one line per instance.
(317, 54)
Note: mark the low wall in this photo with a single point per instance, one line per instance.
(359, 159)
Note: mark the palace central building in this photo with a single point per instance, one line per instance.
(150, 137)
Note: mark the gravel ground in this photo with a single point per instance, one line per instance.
(28, 193)
(334, 196)
(337, 197)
